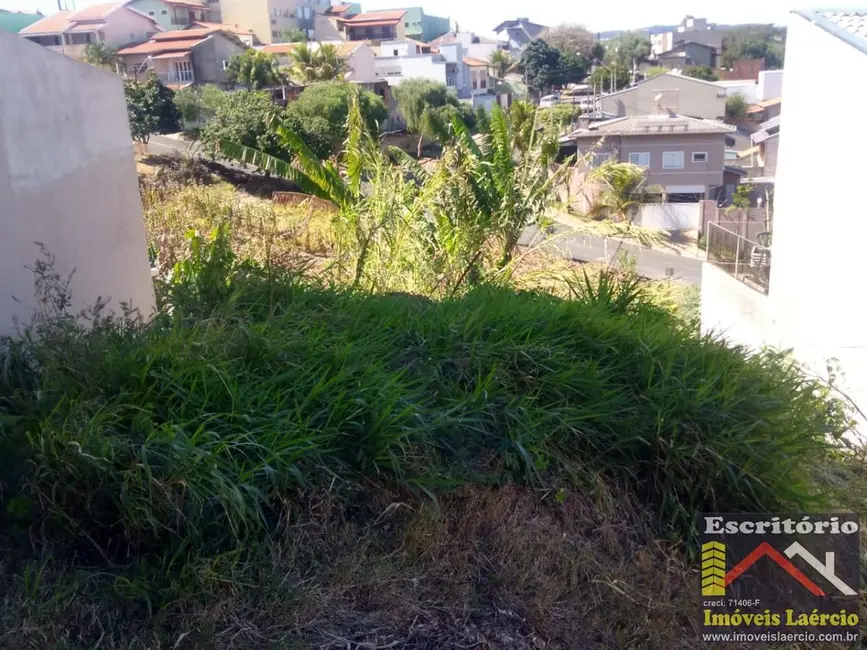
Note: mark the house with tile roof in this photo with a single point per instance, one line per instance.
(669, 91)
(800, 288)
(684, 156)
(376, 26)
(112, 23)
(422, 26)
(184, 57)
(246, 36)
(172, 14)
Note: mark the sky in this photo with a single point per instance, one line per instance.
(481, 16)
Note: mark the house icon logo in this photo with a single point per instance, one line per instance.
(768, 577)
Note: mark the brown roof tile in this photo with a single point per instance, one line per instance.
(53, 24)
(375, 18)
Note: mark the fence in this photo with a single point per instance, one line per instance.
(746, 222)
(669, 216)
(742, 258)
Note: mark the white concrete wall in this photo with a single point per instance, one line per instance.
(749, 90)
(424, 67)
(820, 222)
(770, 85)
(669, 216)
(68, 180)
(480, 51)
(362, 65)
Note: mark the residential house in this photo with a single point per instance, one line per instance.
(359, 57)
(67, 180)
(408, 59)
(112, 23)
(763, 111)
(423, 27)
(518, 33)
(475, 47)
(246, 36)
(271, 20)
(482, 81)
(760, 160)
(687, 54)
(684, 156)
(14, 21)
(800, 291)
(172, 14)
(376, 26)
(690, 30)
(184, 57)
(669, 92)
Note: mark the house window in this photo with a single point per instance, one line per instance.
(150, 13)
(225, 65)
(699, 157)
(483, 81)
(165, 12)
(275, 33)
(642, 159)
(672, 160)
(395, 52)
(600, 158)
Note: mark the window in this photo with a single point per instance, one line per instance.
(395, 52)
(599, 158)
(225, 65)
(642, 159)
(672, 160)
(150, 13)
(699, 156)
(165, 12)
(275, 33)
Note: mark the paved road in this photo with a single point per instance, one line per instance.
(592, 248)
(574, 245)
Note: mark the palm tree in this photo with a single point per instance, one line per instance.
(322, 64)
(255, 70)
(624, 188)
(100, 54)
(502, 62)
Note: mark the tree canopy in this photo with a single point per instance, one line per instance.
(601, 76)
(545, 67)
(311, 65)
(736, 107)
(244, 117)
(627, 49)
(100, 54)
(254, 70)
(428, 107)
(502, 62)
(572, 38)
(294, 35)
(755, 42)
(199, 103)
(704, 72)
(150, 108)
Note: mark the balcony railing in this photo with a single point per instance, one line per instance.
(742, 258)
(176, 77)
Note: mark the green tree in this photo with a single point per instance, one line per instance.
(199, 103)
(624, 188)
(627, 50)
(542, 66)
(502, 62)
(323, 108)
(736, 107)
(322, 64)
(601, 76)
(568, 37)
(100, 54)
(254, 70)
(427, 106)
(244, 117)
(704, 72)
(150, 108)
(294, 35)
(741, 198)
(755, 42)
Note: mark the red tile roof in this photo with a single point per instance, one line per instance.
(476, 63)
(279, 48)
(234, 29)
(186, 3)
(156, 47)
(183, 34)
(373, 18)
(95, 12)
(338, 9)
(53, 24)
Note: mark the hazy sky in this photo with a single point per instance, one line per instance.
(482, 15)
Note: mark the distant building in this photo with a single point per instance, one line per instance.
(684, 156)
(272, 20)
(112, 23)
(359, 57)
(685, 55)
(172, 14)
(376, 26)
(14, 21)
(667, 92)
(423, 27)
(184, 57)
(518, 33)
(690, 30)
(476, 47)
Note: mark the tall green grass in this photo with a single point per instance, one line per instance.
(198, 431)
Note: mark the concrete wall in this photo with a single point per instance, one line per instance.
(770, 85)
(250, 14)
(693, 97)
(362, 65)
(669, 216)
(819, 224)
(68, 180)
(748, 89)
(125, 26)
(208, 59)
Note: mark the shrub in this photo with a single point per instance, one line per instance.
(736, 107)
(244, 117)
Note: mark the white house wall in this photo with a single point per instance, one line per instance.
(125, 26)
(68, 180)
